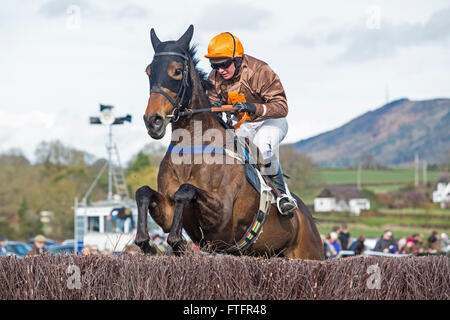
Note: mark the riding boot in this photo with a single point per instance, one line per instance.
(285, 202)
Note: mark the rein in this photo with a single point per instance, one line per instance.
(190, 112)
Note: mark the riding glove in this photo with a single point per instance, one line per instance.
(245, 107)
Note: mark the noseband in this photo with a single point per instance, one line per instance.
(184, 87)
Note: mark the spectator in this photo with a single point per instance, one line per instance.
(106, 253)
(131, 249)
(86, 251)
(2, 246)
(344, 237)
(385, 243)
(358, 246)
(418, 241)
(335, 229)
(39, 246)
(434, 243)
(334, 243)
(410, 247)
(94, 250)
(161, 244)
(328, 250)
(121, 214)
(411, 239)
(400, 247)
(445, 245)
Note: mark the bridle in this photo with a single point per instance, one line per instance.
(180, 109)
(183, 89)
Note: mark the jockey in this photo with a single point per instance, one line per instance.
(266, 104)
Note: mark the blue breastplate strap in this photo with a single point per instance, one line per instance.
(195, 149)
(181, 150)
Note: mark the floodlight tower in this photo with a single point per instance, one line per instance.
(115, 173)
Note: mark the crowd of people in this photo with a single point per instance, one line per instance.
(158, 242)
(339, 239)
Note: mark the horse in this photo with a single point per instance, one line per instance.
(213, 202)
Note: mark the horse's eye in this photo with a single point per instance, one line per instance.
(178, 72)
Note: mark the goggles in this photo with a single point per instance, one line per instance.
(222, 65)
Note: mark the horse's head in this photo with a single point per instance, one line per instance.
(170, 83)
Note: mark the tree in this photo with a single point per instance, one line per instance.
(154, 151)
(145, 176)
(368, 161)
(59, 155)
(300, 167)
(142, 161)
(29, 222)
(14, 157)
(446, 164)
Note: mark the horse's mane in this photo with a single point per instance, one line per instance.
(206, 84)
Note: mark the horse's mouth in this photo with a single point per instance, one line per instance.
(156, 126)
(158, 134)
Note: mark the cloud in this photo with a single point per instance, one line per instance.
(132, 11)
(233, 17)
(58, 8)
(363, 43)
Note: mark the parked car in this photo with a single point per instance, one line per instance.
(61, 249)
(69, 241)
(18, 248)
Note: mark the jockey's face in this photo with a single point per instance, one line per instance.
(227, 73)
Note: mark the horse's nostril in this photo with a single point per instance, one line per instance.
(158, 121)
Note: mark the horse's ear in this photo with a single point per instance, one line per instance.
(154, 38)
(185, 39)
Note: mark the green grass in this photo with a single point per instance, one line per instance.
(416, 211)
(384, 188)
(357, 229)
(349, 176)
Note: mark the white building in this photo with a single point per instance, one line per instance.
(341, 199)
(442, 192)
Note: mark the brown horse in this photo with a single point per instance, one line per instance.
(213, 202)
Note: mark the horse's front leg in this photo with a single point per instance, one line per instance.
(149, 200)
(209, 204)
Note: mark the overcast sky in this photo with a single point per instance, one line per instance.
(336, 60)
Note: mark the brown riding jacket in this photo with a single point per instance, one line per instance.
(259, 84)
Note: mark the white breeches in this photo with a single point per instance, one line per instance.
(266, 135)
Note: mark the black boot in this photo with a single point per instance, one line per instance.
(286, 204)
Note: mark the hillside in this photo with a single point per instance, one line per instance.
(392, 133)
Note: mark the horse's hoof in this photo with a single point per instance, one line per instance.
(179, 248)
(146, 247)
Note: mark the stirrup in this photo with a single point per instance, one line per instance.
(291, 200)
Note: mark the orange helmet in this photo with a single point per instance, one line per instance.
(225, 45)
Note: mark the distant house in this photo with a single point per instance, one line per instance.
(341, 198)
(442, 192)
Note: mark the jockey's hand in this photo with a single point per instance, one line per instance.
(245, 107)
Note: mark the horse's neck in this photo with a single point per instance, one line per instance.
(197, 127)
(198, 124)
